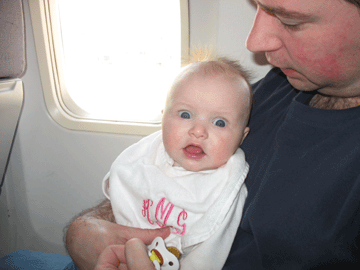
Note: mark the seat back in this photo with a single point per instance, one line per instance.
(12, 67)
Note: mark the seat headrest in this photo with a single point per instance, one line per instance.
(12, 39)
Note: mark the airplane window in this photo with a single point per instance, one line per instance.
(112, 61)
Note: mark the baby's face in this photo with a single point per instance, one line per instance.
(204, 121)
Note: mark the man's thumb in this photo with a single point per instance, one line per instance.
(148, 235)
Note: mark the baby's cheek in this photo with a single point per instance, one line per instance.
(222, 152)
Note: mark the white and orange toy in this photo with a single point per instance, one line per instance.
(162, 257)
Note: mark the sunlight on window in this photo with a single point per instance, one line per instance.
(119, 57)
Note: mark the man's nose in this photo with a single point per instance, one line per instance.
(264, 35)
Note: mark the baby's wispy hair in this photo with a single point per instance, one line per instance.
(210, 62)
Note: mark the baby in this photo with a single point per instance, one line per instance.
(190, 175)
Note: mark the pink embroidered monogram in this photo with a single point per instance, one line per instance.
(145, 211)
(161, 213)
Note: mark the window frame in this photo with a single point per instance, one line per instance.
(58, 103)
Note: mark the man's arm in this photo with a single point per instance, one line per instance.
(88, 234)
(93, 230)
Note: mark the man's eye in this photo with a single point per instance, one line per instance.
(185, 114)
(219, 122)
(291, 26)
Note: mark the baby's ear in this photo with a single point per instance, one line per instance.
(246, 132)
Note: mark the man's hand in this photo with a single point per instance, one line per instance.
(94, 230)
(111, 258)
(132, 256)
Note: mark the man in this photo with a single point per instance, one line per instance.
(302, 211)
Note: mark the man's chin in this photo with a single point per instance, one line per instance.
(301, 84)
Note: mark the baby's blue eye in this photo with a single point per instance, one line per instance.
(185, 114)
(219, 122)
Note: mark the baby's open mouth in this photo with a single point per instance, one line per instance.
(194, 152)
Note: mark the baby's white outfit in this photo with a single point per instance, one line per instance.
(203, 208)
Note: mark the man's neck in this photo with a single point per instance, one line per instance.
(333, 103)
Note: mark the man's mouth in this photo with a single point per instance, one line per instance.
(194, 152)
(289, 72)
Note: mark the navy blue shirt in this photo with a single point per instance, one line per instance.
(302, 211)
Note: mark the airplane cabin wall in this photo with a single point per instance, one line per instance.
(54, 173)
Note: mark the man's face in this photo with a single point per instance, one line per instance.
(316, 43)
